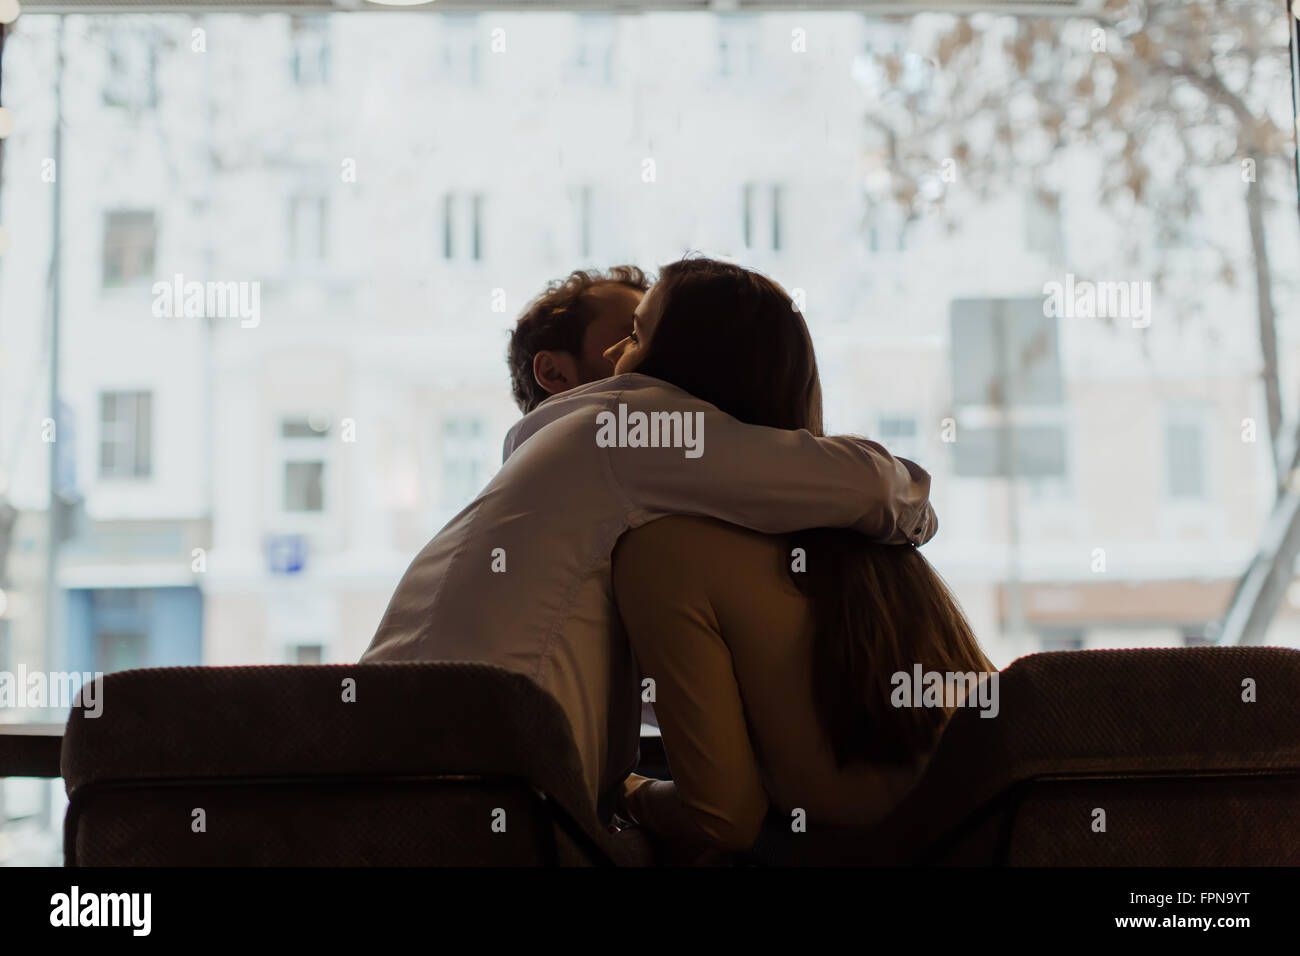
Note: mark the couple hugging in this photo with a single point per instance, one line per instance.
(768, 587)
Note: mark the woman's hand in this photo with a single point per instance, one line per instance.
(631, 785)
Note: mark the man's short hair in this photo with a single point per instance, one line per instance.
(557, 320)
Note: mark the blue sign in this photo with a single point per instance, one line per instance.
(286, 553)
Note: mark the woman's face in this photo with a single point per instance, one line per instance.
(627, 354)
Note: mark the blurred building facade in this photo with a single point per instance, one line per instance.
(396, 189)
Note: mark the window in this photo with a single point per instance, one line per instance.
(462, 226)
(776, 218)
(125, 435)
(448, 226)
(1051, 490)
(302, 428)
(458, 59)
(761, 217)
(1185, 454)
(304, 486)
(306, 654)
(308, 217)
(747, 214)
(120, 625)
(120, 650)
(131, 81)
(1032, 452)
(737, 46)
(1061, 639)
(130, 237)
(466, 456)
(310, 60)
(900, 434)
(1007, 389)
(476, 227)
(303, 450)
(593, 56)
(111, 601)
(1043, 225)
(581, 201)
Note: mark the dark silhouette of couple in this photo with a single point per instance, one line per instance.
(762, 593)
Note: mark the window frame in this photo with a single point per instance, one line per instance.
(136, 471)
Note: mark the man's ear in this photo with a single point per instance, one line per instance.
(555, 371)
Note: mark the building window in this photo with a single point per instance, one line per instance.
(1185, 454)
(459, 57)
(120, 650)
(593, 59)
(1008, 390)
(131, 81)
(1043, 232)
(308, 227)
(581, 198)
(463, 226)
(476, 227)
(900, 434)
(306, 654)
(777, 213)
(303, 451)
(130, 238)
(448, 226)
(737, 45)
(304, 486)
(125, 435)
(120, 625)
(466, 453)
(311, 50)
(747, 214)
(1061, 639)
(761, 216)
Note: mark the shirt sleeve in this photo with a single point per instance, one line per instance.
(769, 479)
(716, 796)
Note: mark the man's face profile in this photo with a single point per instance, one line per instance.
(615, 305)
(611, 306)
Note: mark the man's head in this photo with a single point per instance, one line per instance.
(560, 341)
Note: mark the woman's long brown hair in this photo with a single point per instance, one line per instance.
(735, 339)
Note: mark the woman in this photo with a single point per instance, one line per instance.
(771, 656)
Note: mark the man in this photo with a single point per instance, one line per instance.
(521, 577)
(561, 339)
